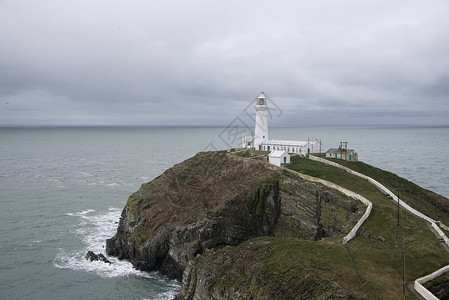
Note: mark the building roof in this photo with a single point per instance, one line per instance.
(338, 150)
(287, 143)
(278, 153)
(332, 150)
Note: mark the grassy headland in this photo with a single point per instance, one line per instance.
(377, 248)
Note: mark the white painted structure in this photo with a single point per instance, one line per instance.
(279, 158)
(344, 154)
(261, 130)
(300, 147)
(419, 287)
(260, 139)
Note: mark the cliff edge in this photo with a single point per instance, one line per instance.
(214, 200)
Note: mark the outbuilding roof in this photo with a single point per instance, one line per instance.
(332, 150)
(277, 153)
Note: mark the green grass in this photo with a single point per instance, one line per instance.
(377, 248)
(333, 174)
(425, 201)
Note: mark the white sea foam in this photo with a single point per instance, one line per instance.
(86, 211)
(81, 213)
(167, 295)
(93, 230)
(77, 261)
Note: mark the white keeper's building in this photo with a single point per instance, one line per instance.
(279, 158)
(260, 140)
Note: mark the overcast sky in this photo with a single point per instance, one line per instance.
(202, 62)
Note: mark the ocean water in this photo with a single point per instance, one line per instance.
(62, 191)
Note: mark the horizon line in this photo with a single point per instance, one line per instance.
(213, 126)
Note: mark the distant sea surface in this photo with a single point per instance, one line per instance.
(62, 191)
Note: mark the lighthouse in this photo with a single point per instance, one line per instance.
(259, 140)
(261, 129)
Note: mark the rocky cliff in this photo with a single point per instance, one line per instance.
(262, 268)
(213, 200)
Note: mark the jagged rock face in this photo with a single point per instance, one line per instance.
(312, 211)
(440, 290)
(247, 272)
(213, 200)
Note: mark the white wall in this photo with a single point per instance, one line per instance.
(418, 285)
(278, 161)
(261, 126)
(275, 160)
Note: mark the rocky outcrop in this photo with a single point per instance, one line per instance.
(440, 290)
(252, 271)
(212, 200)
(91, 256)
(439, 286)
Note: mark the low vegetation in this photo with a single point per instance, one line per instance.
(377, 250)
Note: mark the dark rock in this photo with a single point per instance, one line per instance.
(91, 256)
(104, 259)
(440, 290)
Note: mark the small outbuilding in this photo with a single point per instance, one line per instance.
(279, 158)
(349, 154)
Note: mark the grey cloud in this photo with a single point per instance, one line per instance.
(201, 62)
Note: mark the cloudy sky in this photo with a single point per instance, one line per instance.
(201, 62)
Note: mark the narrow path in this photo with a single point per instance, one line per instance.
(348, 193)
(443, 243)
(418, 284)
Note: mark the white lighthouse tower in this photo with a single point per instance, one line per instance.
(259, 140)
(261, 129)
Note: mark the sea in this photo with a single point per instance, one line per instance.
(62, 190)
